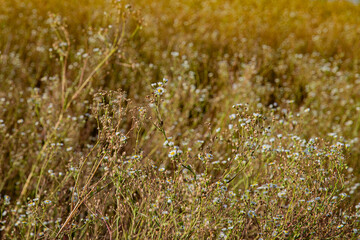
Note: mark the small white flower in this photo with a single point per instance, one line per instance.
(136, 157)
(123, 138)
(266, 147)
(209, 156)
(175, 152)
(251, 214)
(7, 199)
(159, 91)
(175, 54)
(172, 153)
(340, 226)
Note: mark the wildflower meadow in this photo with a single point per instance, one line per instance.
(139, 119)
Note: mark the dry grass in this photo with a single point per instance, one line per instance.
(179, 120)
